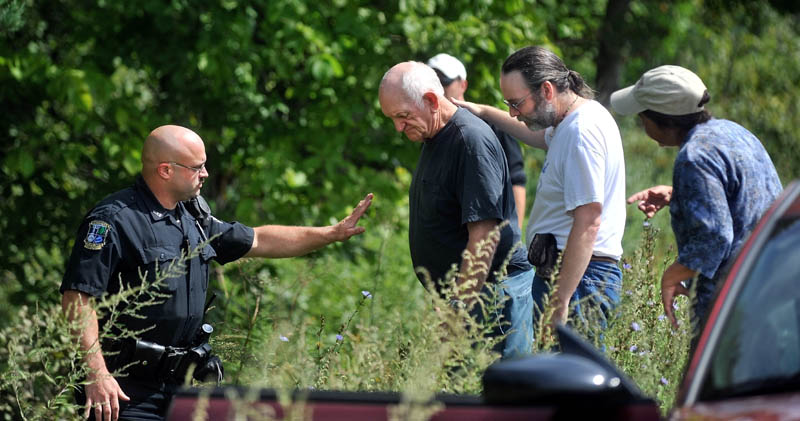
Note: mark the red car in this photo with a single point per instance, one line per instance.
(746, 365)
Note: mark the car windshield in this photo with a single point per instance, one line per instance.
(759, 348)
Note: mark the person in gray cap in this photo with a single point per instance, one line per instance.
(453, 75)
(722, 181)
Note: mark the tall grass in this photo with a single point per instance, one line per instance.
(327, 323)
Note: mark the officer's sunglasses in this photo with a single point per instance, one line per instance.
(195, 169)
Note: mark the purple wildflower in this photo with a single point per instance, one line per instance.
(664, 381)
(283, 338)
(635, 326)
(626, 266)
(366, 294)
(646, 223)
(339, 338)
(662, 317)
(633, 348)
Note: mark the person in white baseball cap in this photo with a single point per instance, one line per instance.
(452, 74)
(722, 181)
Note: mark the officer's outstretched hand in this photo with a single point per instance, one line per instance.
(348, 227)
(102, 396)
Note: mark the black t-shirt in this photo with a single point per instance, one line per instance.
(129, 232)
(461, 177)
(513, 156)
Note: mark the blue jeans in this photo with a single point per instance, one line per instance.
(512, 316)
(599, 290)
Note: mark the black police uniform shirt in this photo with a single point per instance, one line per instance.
(461, 177)
(128, 233)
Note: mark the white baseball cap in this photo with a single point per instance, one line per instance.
(450, 66)
(670, 90)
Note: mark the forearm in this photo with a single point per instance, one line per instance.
(677, 273)
(289, 241)
(481, 250)
(574, 262)
(76, 308)
(519, 202)
(579, 249)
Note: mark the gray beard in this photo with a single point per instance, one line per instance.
(544, 116)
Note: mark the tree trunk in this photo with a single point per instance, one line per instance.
(611, 51)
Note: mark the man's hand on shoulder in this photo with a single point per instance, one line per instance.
(471, 106)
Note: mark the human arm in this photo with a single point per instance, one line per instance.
(101, 387)
(519, 202)
(505, 122)
(671, 287)
(479, 264)
(291, 241)
(651, 200)
(576, 256)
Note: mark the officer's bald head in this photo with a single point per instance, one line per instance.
(169, 144)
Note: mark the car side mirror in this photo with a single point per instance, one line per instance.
(580, 373)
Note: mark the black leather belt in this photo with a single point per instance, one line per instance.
(603, 259)
(149, 361)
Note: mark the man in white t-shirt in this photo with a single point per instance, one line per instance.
(580, 198)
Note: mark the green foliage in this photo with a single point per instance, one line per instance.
(753, 78)
(641, 340)
(40, 366)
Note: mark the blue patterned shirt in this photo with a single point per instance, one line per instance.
(723, 181)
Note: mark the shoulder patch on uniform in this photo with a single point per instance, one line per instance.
(97, 235)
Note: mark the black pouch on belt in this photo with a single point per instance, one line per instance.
(543, 253)
(147, 356)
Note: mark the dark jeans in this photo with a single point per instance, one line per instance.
(148, 401)
(597, 295)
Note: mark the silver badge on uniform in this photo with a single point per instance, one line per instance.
(97, 235)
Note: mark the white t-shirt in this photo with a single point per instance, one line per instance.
(584, 164)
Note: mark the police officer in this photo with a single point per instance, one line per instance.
(143, 228)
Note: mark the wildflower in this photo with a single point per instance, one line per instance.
(675, 305)
(635, 326)
(366, 294)
(339, 338)
(633, 348)
(628, 292)
(662, 317)
(626, 266)
(664, 381)
(650, 303)
(283, 338)
(646, 223)
(643, 353)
